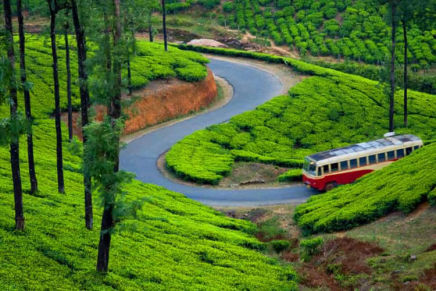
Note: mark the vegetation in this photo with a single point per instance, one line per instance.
(291, 175)
(173, 241)
(328, 110)
(175, 63)
(401, 186)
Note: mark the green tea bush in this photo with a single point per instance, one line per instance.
(310, 247)
(401, 186)
(361, 34)
(151, 62)
(329, 110)
(291, 175)
(173, 242)
(280, 245)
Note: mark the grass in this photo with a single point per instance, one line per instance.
(173, 242)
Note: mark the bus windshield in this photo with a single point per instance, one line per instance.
(309, 166)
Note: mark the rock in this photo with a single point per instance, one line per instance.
(206, 42)
(253, 181)
(412, 258)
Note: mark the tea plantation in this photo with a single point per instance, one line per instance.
(328, 110)
(184, 65)
(401, 186)
(172, 242)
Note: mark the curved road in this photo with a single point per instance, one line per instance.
(251, 87)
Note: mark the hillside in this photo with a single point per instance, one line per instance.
(402, 186)
(327, 110)
(172, 242)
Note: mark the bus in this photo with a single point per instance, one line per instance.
(325, 170)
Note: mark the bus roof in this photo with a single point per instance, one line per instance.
(366, 147)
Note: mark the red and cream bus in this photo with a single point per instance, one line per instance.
(325, 170)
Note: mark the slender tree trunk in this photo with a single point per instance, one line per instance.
(392, 73)
(107, 222)
(30, 156)
(150, 26)
(164, 23)
(14, 146)
(84, 104)
(129, 75)
(67, 64)
(405, 72)
(60, 170)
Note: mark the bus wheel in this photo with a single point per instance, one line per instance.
(330, 186)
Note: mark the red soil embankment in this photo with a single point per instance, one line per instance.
(161, 100)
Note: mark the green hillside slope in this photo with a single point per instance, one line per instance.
(401, 186)
(173, 243)
(325, 111)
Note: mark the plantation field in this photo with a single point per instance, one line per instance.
(339, 28)
(184, 65)
(328, 110)
(401, 186)
(172, 242)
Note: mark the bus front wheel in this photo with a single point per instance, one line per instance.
(330, 186)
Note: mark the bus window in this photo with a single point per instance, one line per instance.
(335, 167)
(353, 163)
(344, 165)
(391, 155)
(381, 157)
(400, 153)
(362, 161)
(319, 171)
(372, 159)
(325, 169)
(408, 151)
(416, 147)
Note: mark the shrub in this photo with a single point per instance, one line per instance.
(310, 247)
(280, 245)
(291, 175)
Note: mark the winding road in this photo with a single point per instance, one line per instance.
(251, 87)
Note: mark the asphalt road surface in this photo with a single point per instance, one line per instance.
(251, 87)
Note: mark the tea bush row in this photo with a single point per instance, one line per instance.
(323, 112)
(402, 186)
(173, 241)
(313, 27)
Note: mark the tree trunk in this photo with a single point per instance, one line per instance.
(30, 156)
(150, 26)
(114, 113)
(129, 75)
(84, 105)
(164, 23)
(405, 72)
(14, 146)
(60, 170)
(392, 72)
(67, 64)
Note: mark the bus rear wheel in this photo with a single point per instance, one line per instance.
(330, 186)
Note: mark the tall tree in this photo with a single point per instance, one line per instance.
(114, 114)
(393, 4)
(164, 24)
(68, 68)
(14, 145)
(79, 29)
(54, 9)
(30, 156)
